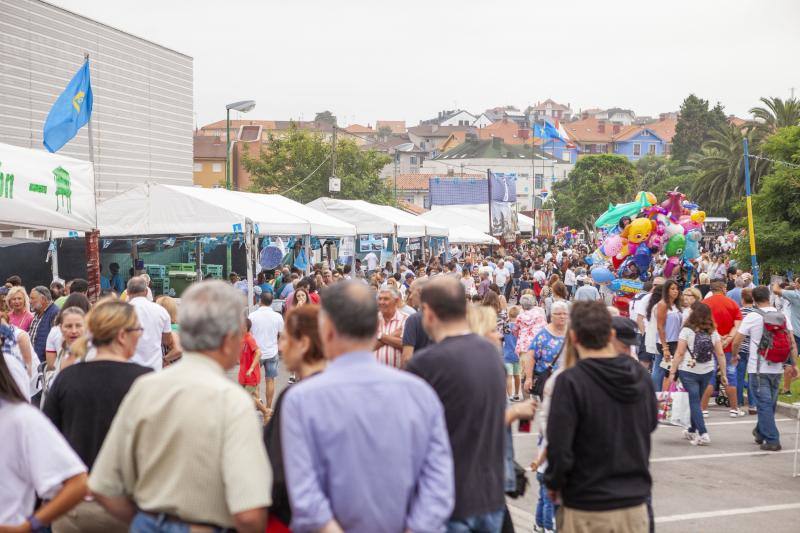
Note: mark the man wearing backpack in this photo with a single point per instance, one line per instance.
(771, 346)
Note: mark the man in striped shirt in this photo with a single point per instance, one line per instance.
(389, 345)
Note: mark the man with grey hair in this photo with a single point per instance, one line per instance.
(184, 451)
(391, 322)
(389, 467)
(156, 326)
(44, 313)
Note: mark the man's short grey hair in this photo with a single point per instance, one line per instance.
(209, 311)
(44, 292)
(391, 290)
(137, 285)
(739, 282)
(527, 301)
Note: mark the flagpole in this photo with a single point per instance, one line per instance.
(93, 237)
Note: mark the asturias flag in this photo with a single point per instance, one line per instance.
(70, 112)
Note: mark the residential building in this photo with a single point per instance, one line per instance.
(454, 117)
(536, 170)
(209, 161)
(507, 130)
(549, 109)
(276, 128)
(395, 127)
(360, 134)
(598, 136)
(664, 128)
(407, 158)
(593, 135)
(617, 115)
(430, 137)
(455, 138)
(639, 141)
(482, 121)
(143, 94)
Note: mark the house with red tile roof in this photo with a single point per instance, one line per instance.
(598, 136)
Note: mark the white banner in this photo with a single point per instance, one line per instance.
(40, 190)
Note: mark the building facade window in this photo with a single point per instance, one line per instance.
(651, 149)
(637, 149)
(538, 181)
(412, 160)
(198, 167)
(216, 167)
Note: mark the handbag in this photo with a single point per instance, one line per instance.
(539, 379)
(521, 482)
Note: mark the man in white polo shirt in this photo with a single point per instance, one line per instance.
(156, 326)
(266, 326)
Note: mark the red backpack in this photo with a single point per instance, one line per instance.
(775, 345)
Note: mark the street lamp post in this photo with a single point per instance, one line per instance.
(244, 106)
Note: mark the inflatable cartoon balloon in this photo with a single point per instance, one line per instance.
(614, 213)
(637, 232)
(643, 257)
(673, 204)
(692, 248)
(612, 245)
(674, 250)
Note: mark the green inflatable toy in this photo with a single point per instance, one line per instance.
(675, 246)
(615, 212)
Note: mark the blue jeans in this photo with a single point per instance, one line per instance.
(482, 523)
(659, 373)
(147, 523)
(741, 370)
(695, 385)
(765, 391)
(545, 514)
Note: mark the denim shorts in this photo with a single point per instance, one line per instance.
(512, 369)
(270, 367)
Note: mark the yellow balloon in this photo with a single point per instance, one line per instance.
(699, 217)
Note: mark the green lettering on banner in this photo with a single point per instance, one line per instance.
(6, 185)
(38, 187)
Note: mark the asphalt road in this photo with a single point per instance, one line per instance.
(729, 486)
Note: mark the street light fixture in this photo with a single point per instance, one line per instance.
(244, 106)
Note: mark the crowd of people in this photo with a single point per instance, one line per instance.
(405, 383)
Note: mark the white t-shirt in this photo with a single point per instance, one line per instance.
(372, 261)
(640, 308)
(16, 365)
(753, 325)
(688, 335)
(569, 277)
(54, 339)
(267, 324)
(35, 459)
(540, 276)
(155, 321)
(501, 277)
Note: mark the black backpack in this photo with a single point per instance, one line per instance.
(703, 349)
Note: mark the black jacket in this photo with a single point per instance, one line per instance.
(601, 417)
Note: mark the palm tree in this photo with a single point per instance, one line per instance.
(776, 113)
(720, 165)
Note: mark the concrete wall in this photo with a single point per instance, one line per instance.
(143, 94)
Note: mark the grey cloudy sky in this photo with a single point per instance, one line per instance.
(405, 60)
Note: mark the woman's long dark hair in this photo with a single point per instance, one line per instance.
(701, 319)
(654, 299)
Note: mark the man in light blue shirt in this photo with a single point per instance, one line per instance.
(366, 449)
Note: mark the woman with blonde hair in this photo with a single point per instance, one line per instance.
(690, 295)
(482, 320)
(19, 308)
(82, 411)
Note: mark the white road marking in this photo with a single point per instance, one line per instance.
(726, 512)
(714, 456)
(732, 422)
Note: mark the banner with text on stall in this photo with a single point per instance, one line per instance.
(39, 190)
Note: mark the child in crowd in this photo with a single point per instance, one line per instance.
(249, 371)
(510, 357)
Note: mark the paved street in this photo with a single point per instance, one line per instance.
(728, 486)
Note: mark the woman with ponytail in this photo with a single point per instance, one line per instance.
(82, 409)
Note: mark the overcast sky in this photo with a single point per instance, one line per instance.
(367, 60)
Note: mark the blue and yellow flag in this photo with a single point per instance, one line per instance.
(70, 112)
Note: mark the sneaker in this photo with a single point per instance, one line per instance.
(704, 439)
(786, 393)
(735, 413)
(767, 447)
(752, 410)
(689, 435)
(705, 414)
(538, 529)
(757, 437)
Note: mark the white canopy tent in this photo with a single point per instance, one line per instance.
(40, 190)
(476, 216)
(463, 234)
(370, 218)
(319, 223)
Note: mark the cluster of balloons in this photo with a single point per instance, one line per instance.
(636, 230)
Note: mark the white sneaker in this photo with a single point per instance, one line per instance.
(735, 413)
(705, 414)
(689, 435)
(704, 440)
(538, 529)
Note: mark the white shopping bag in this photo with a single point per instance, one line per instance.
(680, 414)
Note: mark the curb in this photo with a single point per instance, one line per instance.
(788, 409)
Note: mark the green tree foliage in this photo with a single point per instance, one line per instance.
(325, 116)
(653, 169)
(284, 164)
(776, 113)
(596, 181)
(776, 208)
(694, 126)
(720, 169)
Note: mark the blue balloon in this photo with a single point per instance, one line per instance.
(643, 257)
(602, 275)
(589, 260)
